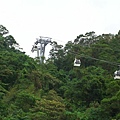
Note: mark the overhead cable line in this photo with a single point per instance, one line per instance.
(86, 46)
(89, 57)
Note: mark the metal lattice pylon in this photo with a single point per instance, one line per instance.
(40, 45)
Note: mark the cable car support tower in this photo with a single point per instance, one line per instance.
(39, 46)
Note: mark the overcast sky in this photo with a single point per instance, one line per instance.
(61, 20)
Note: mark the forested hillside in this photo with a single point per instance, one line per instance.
(57, 90)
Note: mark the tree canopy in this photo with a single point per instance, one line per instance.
(56, 90)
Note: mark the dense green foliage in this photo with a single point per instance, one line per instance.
(56, 90)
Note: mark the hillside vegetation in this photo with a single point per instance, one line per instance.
(56, 90)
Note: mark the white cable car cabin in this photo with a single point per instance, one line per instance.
(117, 74)
(77, 62)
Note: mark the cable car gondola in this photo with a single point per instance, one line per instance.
(77, 62)
(117, 74)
